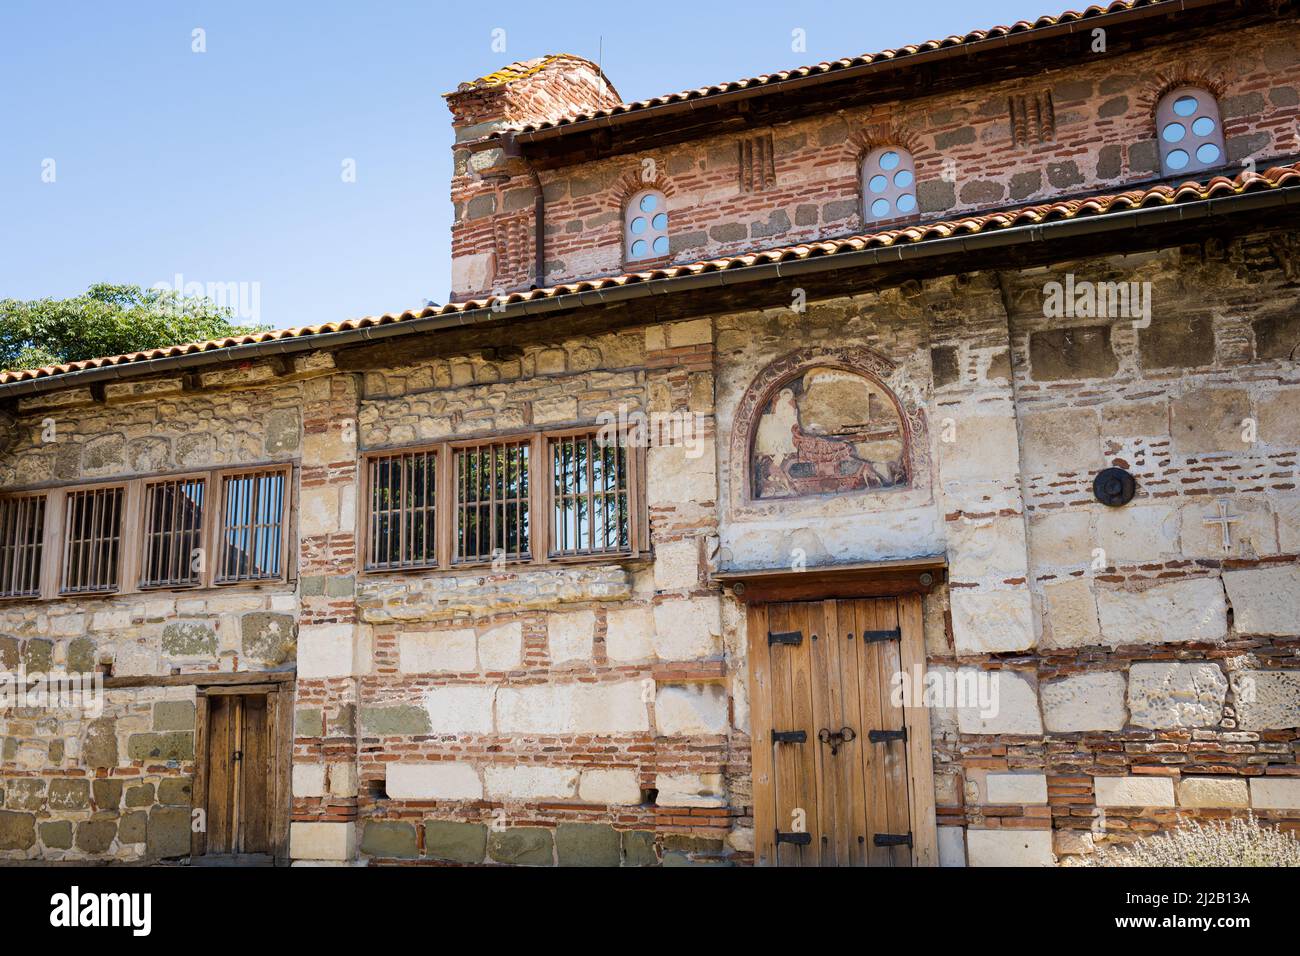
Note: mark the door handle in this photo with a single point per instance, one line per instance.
(836, 738)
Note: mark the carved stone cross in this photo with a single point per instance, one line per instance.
(1223, 519)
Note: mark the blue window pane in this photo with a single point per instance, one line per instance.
(638, 225)
(1177, 159)
(879, 208)
(660, 221)
(1203, 126)
(888, 160)
(906, 202)
(1185, 105)
(1207, 153)
(649, 202)
(878, 184)
(661, 245)
(1173, 132)
(639, 248)
(903, 178)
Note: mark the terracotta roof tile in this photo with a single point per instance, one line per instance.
(768, 79)
(1159, 195)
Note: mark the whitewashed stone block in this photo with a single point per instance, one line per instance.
(1138, 533)
(1060, 439)
(687, 710)
(1015, 789)
(1093, 701)
(1009, 848)
(612, 787)
(325, 650)
(460, 708)
(1176, 694)
(569, 637)
(986, 548)
(677, 564)
(308, 779)
(427, 652)
(1265, 600)
(1006, 703)
(1267, 700)
(1178, 611)
(322, 841)
(1134, 791)
(433, 780)
(690, 790)
(990, 622)
(502, 648)
(1060, 539)
(677, 474)
(630, 634)
(1275, 793)
(952, 846)
(688, 630)
(985, 446)
(572, 709)
(1071, 614)
(343, 779)
(1213, 792)
(527, 782)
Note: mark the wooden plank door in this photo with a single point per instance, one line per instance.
(842, 772)
(236, 781)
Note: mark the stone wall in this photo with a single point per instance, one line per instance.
(115, 784)
(967, 152)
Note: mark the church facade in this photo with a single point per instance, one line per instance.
(888, 462)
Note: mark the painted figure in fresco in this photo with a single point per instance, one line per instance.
(829, 430)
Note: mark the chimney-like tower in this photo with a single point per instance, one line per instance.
(495, 194)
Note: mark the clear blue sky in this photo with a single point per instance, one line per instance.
(225, 166)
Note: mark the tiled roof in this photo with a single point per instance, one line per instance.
(514, 71)
(1098, 206)
(769, 79)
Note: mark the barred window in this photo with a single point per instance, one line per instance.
(251, 534)
(402, 532)
(93, 540)
(22, 529)
(591, 507)
(173, 533)
(492, 507)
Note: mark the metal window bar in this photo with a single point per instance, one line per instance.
(173, 533)
(492, 507)
(252, 527)
(402, 511)
(93, 523)
(591, 496)
(22, 527)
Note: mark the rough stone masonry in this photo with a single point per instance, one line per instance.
(595, 711)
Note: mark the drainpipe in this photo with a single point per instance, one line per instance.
(510, 146)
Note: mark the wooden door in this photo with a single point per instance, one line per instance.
(236, 786)
(842, 773)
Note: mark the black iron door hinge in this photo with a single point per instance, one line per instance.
(883, 736)
(784, 637)
(798, 839)
(869, 637)
(893, 839)
(789, 736)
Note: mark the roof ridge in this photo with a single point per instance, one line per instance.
(1049, 211)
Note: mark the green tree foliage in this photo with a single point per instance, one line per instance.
(106, 320)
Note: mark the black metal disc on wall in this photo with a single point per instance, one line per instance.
(1114, 487)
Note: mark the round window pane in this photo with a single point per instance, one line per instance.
(906, 202)
(888, 160)
(903, 178)
(1203, 126)
(878, 184)
(880, 207)
(639, 247)
(661, 245)
(649, 202)
(638, 225)
(1177, 159)
(1174, 132)
(660, 222)
(1207, 153)
(1185, 105)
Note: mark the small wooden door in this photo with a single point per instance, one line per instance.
(238, 785)
(842, 773)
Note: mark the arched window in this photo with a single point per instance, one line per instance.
(645, 226)
(1190, 131)
(888, 184)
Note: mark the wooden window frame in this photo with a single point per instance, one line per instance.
(540, 502)
(131, 558)
(44, 560)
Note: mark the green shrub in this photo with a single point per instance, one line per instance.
(1237, 842)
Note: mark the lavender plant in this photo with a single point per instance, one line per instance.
(1236, 842)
